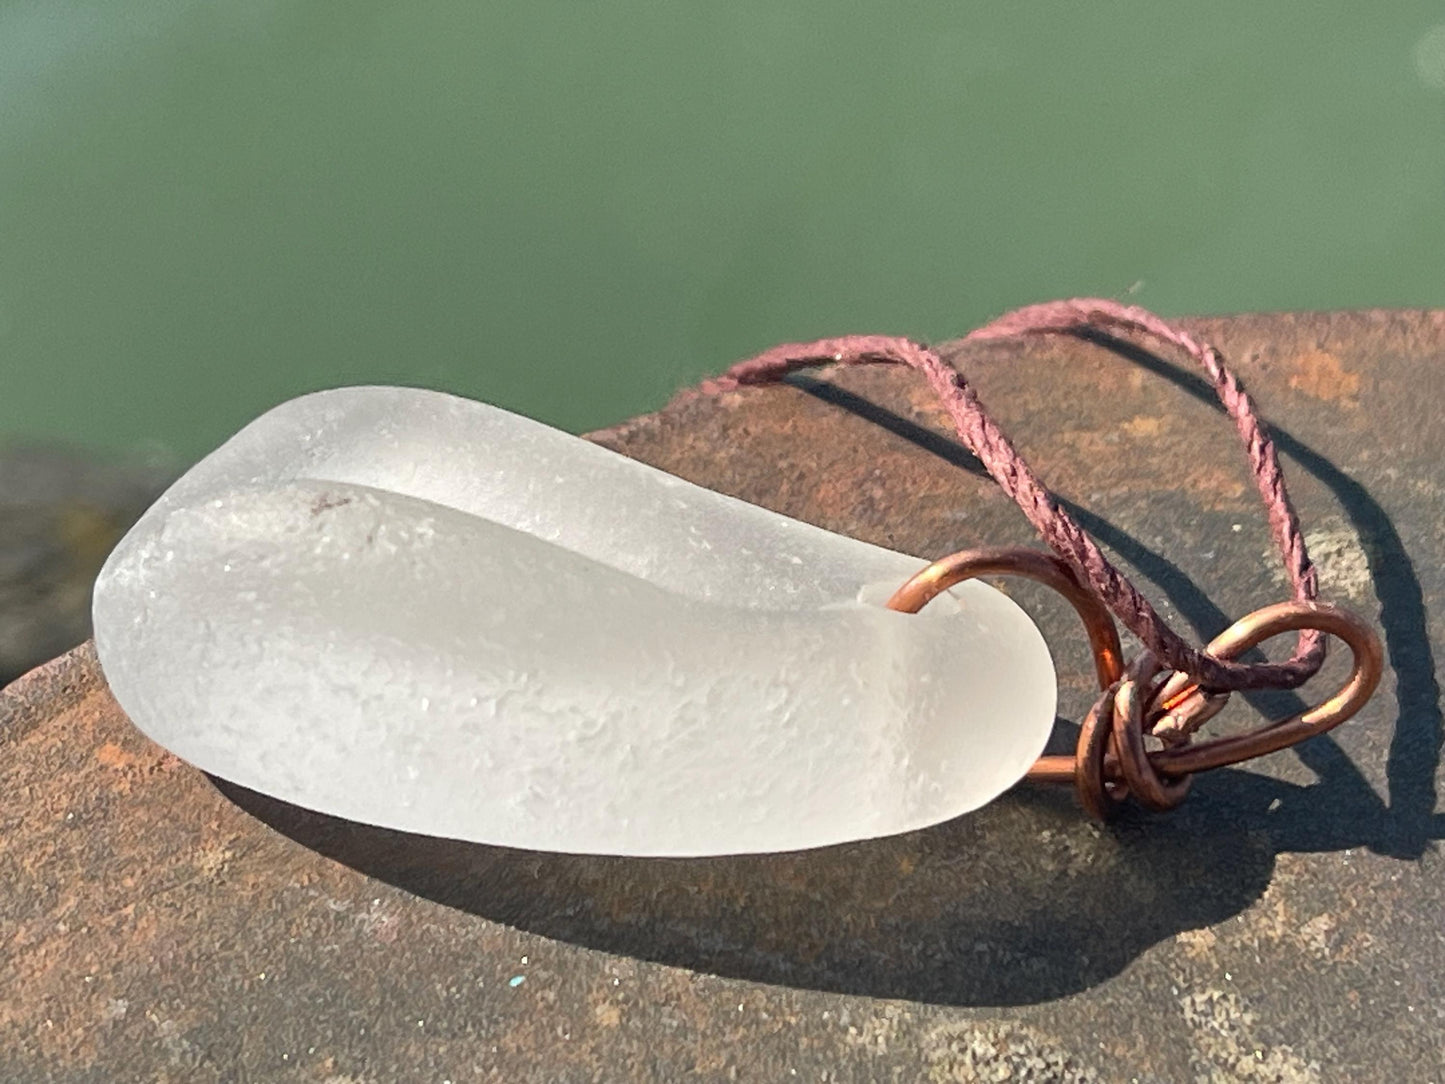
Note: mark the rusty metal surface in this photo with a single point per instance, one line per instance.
(1283, 925)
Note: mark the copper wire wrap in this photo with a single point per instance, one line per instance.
(1112, 760)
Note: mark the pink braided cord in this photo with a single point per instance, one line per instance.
(1055, 525)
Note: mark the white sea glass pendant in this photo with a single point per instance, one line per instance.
(425, 613)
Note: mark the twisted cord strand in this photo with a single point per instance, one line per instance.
(982, 435)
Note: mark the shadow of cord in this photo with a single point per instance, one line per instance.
(1342, 811)
(1348, 813)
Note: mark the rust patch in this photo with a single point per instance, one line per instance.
(1003, 1051)
(1214, 488)
(111, 755)
(1321, 375)
(1143, 425)
(1198, 944)
(607, 1015)
(1128, 460)
(1226, 1046)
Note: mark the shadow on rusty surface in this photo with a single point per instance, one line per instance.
(1022, 902)
(962, 914)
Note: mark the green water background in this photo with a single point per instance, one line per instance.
(572, 209)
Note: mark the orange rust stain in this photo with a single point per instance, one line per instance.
(1141, 425)
(156, 760)
(608, 1016)
(1214, 488)
(1133, 459)
(113, 756)
(1321, 375)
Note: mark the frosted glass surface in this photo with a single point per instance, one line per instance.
(422, 612)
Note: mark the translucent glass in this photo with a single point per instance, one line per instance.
(422, 612)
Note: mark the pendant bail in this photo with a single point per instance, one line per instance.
(1111, 760)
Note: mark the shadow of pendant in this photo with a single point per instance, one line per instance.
(1020, 902)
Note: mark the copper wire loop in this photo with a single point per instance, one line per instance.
(1141, 776)
(1046, 569)
(1111, 760)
